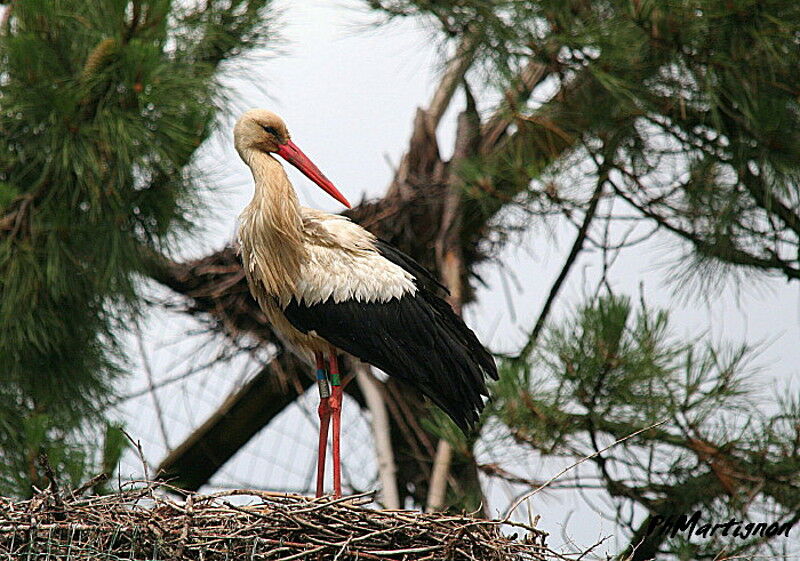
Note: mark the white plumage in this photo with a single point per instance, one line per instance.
(343, 264)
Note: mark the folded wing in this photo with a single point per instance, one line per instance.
(408, 332)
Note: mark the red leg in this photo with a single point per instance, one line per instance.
(336, 410)
(324, 411)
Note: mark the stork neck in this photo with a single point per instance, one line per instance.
(273, 227)
(274, 193)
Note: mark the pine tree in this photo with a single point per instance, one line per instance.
(687, 113)
(689, 108)
(711, 442)
(103, 105)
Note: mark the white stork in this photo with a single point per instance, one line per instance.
(327, 285)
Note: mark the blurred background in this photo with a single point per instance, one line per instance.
(624, 181)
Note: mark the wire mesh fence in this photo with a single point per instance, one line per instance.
(180, 379)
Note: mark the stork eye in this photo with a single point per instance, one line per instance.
(271, 131)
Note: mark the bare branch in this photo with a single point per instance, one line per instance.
(381, 432)
(441, 471)
(572, 466)
(577, 247)
(452, 76)
(151, 389)
(495, 127)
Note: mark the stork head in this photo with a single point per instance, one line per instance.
(263, 131)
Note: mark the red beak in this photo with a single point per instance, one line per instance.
(292, 154)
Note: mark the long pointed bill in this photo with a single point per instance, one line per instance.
(292, 154)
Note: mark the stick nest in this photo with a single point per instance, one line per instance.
(246, 525)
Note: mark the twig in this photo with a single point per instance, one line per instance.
(93, 482)
(44, 463)
(577, 246)
(152, 390)
(325, 502)
(138, 446)
(521, 499)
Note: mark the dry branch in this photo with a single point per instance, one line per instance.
(381, 433)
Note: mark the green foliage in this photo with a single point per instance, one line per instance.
(7, 194)
(702, 100)
(103, 105)
(608, 364)
(683, 115)
(611, 370)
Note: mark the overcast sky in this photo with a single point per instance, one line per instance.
(348, 94)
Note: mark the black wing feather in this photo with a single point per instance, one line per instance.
(417, 338)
